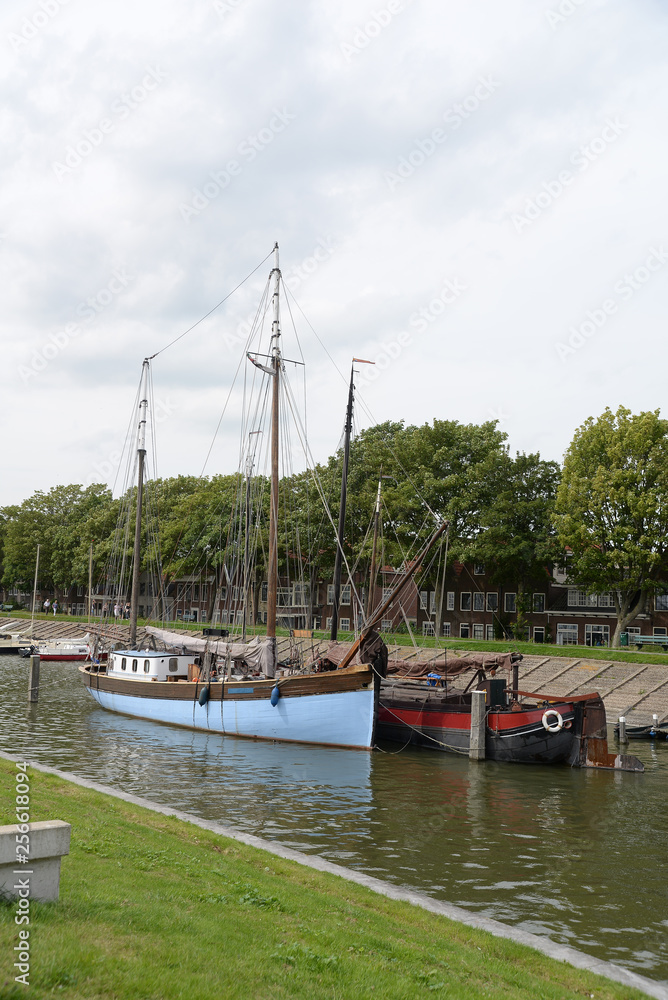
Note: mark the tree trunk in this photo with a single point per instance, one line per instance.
(626, 612)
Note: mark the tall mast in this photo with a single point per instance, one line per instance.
(372, 582)
(141, 454)
(272, 575)
(34, 591)
(342, 509)
(90, 581)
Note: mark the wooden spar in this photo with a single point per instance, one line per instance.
(272, 574)
(90, 582)
(342, 510)
(372, 582)
(34, 591)
(141, 453)
(378, 615)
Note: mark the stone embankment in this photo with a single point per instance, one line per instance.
(636, 690)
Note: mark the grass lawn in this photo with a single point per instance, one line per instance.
(152, 907)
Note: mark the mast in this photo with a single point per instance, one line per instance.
(90, 581)
(34, 591)
(141, 454)
(372, 582)
(342, 509)
(272, 574)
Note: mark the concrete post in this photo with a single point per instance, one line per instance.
(623, 738)
(477, 744)
(47, 842)
(33, 684)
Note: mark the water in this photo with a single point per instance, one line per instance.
(576, 855)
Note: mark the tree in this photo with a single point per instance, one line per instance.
(612, 509)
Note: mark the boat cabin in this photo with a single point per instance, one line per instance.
(149, 664)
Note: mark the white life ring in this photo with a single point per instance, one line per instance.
(559, 724)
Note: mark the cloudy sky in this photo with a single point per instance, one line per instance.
(471, 193)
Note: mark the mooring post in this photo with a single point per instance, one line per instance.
(477, 744)
(655, 721)
(33, 684)
(623, 738)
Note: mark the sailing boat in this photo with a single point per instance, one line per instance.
(184, 687)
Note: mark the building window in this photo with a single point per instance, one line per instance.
(633, 631)
(597, 635)
(386, 625)
(80, 591)
(451, 600)
(539, 633)
(344, 624)
(205, 591)
(345, 594)
(432, 603)
(428, 628)
(567, 635)
(446, 630)
(328, 623)
(478, 569)
(478, 631)
(606, 600)
(660, 603)
(581, 599)
(179, 591)
(264, 591)
(386, 593)
(464, 631)
(489, 632)
(657, 631)
(478, 602)
(509, 603)
(465, 602)
(424, 597)
(492, 602)
(539, 603)
(142, 589)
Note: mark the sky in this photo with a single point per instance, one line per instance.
(469, 193)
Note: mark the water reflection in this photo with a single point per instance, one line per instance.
(575, 855)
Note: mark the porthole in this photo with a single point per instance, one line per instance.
(123, 663)
(134, 666)
(147, 666)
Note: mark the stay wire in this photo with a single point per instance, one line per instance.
(206, 315)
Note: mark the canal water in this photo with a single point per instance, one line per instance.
(579, 856)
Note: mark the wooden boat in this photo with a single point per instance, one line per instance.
(337, 708)
(520, 727)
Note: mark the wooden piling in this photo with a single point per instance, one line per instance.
(478, 719)
(33, 684)
(623, 738)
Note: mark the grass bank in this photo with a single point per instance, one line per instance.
(155, 908)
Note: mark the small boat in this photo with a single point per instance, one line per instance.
(654, 732)
(59, 649)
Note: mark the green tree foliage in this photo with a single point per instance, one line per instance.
(612, 509)
(516, 540)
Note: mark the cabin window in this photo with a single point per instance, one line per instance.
(465, 602)
(123, 663)
(478, 602)
(173, 664)
(134, 666)
(147, 666)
